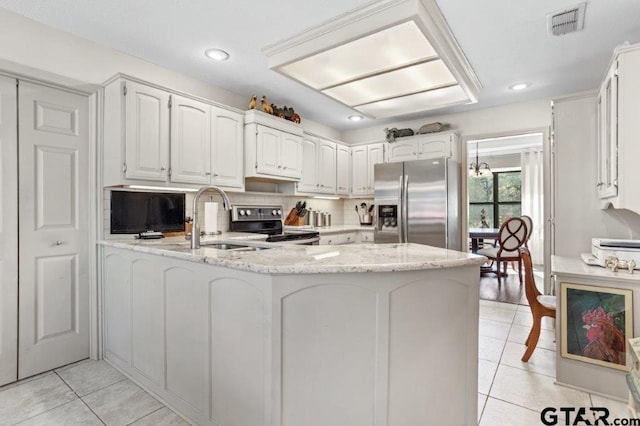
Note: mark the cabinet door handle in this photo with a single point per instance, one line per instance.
(59, 243)
(279, 167)
(284, 168)
(215, 175)
(163, 168)
(207, 173)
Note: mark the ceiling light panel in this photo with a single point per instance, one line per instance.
(404, 81)
(424, 101)
(385, 58)
(400, 45)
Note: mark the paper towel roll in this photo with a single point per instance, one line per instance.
(210, 218)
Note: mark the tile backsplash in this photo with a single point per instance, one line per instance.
(342, 210)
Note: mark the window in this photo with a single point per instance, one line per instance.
(494, 198)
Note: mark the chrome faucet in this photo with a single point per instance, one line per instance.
(195, 230)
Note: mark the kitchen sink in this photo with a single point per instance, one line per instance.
(234, 247)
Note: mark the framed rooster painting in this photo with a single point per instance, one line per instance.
(596, 323)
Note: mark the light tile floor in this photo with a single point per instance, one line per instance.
(510, 391)
(514, 392)
(84, 393)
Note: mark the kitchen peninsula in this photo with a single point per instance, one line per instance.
(360, 334)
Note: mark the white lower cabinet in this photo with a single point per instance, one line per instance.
(192, 334)
(228, 347)
(365, 237)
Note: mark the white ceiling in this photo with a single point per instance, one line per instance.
(505, 41)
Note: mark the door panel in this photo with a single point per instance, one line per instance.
(8, 232)
(227, 147)
(426, 202)
(190, 141)
(291, 155)
(147, 132)
(309, 181)
(268, 151)
(53, 203)
(56, 296)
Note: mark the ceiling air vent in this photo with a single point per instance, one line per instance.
(567, 20)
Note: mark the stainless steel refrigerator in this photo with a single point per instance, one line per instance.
(418, 202)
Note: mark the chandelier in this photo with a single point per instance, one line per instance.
(478, 169)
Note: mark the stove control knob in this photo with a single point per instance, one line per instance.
(248, 212)
(279, 212)
(241, 212)
(274, 212)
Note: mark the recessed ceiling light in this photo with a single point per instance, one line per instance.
(217, 54)
(519, 86)
(355, 117)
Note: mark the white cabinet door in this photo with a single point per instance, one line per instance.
(347, 238)
(327, 167)
(309, 181)
(359, 178)
(343, 169)
(290, 156)
(268, 151)
(227, 143)
(54, 229)
(8, 232)
(375, 155)
(428, 147)
(190, 141)
(146, 132)
(366, 237)
(608, 135)
(402, 151)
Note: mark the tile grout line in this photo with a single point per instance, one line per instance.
(147, 415)
(80, 398)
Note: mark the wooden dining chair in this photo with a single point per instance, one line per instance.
(529, 222)
(512, 236)
(541, 305)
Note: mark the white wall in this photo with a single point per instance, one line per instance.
(578, 216)
(35, 50)
(495, 121)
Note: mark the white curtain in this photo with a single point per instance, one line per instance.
(532, 200)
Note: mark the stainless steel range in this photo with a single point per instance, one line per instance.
(267, 219)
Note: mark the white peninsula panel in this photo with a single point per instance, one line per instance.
(357, 335)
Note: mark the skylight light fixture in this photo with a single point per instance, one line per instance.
(384, 59)
(217, 54)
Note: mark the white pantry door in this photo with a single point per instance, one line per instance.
(8, 232)
(53, 229)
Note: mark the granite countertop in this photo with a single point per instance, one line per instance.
(574, 266)
(283, 258)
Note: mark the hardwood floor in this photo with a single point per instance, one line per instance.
(509, 291)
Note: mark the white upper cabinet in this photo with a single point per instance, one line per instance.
(363, 158)
(227, 143)
(309, 181)
(291, 155)
(190, 141)
(422, 147)
(327, 166)
(146, 118)
(272, 146)
(343, 169)
(155, 137)
(619, 131)
(318, 166)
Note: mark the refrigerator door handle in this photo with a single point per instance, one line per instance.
(405, 210)
(400, 212)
